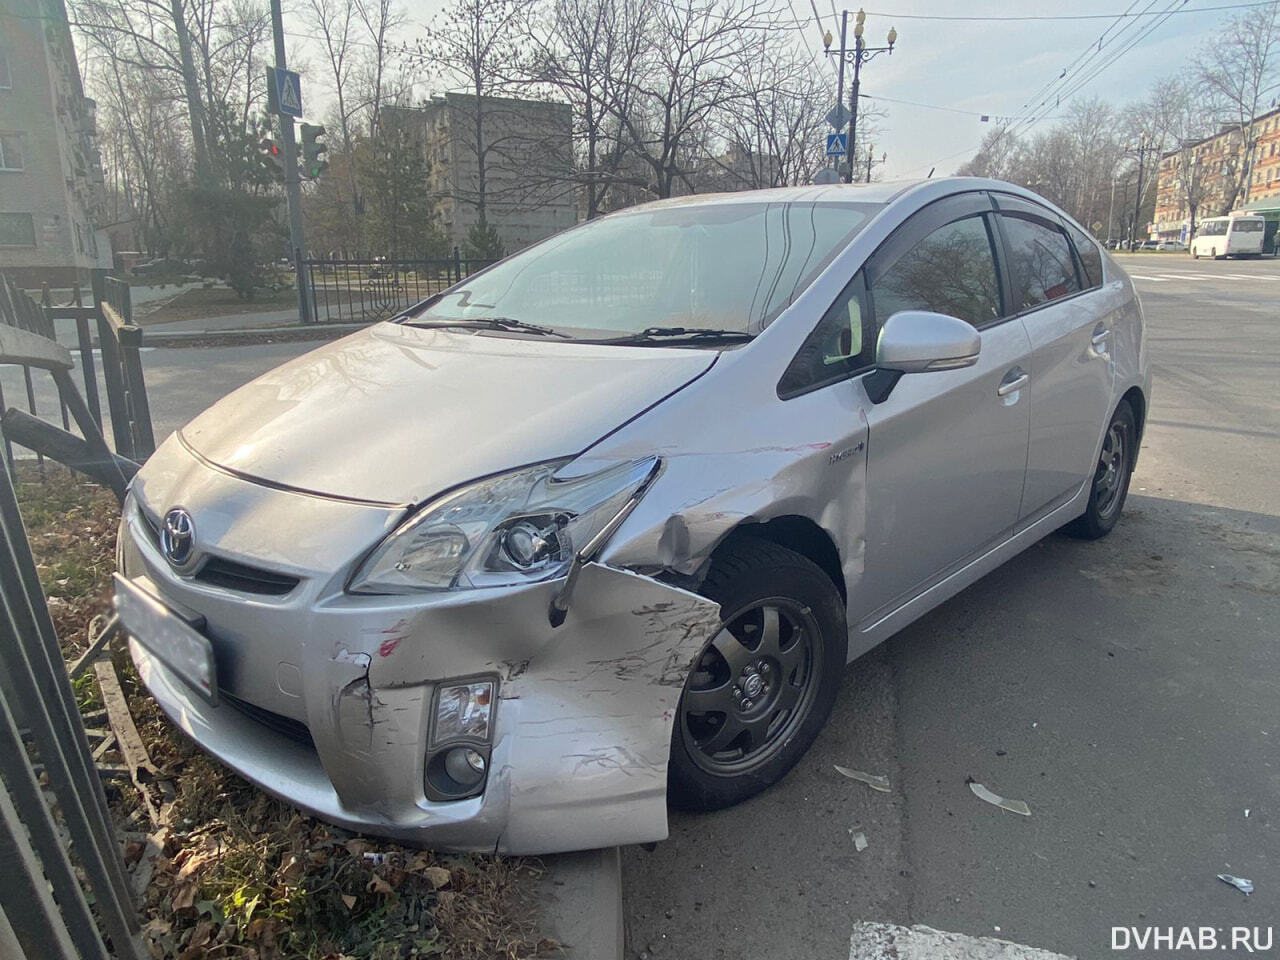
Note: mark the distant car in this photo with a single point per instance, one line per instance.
(1170, 245)
(604, 522)
(1149, 245)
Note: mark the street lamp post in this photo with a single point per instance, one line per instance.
(860, 54)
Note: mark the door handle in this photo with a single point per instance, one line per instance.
(1100, 336)
(1012, 386)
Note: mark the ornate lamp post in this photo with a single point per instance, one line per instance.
(860, 54)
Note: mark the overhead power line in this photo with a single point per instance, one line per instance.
(1065, 16)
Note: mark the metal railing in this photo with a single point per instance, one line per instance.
(121, 341)
(50, 834)
(369, 289)
(109, 314)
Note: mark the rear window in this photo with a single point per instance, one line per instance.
(1040, 261)
(1247, 226)
(1090, 257)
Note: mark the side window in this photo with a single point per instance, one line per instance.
(1090, 258)
(951, 271)
(842, 343)
(1041, 268)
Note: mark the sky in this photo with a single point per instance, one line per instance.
(972, 67)
(993, 67)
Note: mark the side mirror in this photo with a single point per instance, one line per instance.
(918, 341)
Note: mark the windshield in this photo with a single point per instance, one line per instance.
(706, 267)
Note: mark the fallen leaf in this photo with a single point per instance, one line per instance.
(436, 876)
(349, 900)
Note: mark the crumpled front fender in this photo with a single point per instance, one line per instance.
(585, 711)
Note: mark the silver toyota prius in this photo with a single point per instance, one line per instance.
(598, 528)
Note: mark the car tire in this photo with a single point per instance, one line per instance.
(725, 746)
(1111, 477)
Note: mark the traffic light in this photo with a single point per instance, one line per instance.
(272, 151)
(312, 165)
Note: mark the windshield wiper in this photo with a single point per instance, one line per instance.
(705, 334)
(489, 323)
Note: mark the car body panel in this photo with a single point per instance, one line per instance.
(445, 383)
(584, 714)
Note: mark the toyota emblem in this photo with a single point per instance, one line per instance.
(178, 537)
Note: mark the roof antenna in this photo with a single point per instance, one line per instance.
(930, 176)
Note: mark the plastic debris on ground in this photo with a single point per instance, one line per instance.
(982, 793)
(870, 779)
(859, 841)
(1240, 883)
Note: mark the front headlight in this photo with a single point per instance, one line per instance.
(519, 527)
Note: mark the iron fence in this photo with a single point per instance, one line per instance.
(50, 837)
(366, 290)
(109, 313)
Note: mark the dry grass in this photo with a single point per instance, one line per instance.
(243, 875)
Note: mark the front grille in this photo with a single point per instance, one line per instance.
(230, 574)
(295, 730)
(220, 572)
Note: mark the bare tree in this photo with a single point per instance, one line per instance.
(589, 53)
(686, 78)
(775, 131)
(1174, 110)
(476, 45)
(1236, 69)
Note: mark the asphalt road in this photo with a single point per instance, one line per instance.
(1125, 689)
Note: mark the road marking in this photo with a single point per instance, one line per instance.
(887, 941)
(1139, 276)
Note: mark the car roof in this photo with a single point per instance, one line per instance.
(881, 192)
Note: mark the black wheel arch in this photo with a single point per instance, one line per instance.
(798, 534)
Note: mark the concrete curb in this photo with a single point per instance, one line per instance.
(581, 900)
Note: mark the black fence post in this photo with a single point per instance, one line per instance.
(111, 372)
(85, 343)
(457, 264)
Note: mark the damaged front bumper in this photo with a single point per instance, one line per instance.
(327, 701)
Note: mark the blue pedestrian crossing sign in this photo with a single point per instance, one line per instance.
(837, 144)
(286, 92)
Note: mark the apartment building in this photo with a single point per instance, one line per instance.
(51, 183)
(529, 191)
(1210, 167)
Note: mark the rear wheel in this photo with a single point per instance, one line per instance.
(1110, 477)
(764, 685)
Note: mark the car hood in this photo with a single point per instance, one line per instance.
(395, 414)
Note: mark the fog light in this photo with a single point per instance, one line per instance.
(462, 712)
(465, 766)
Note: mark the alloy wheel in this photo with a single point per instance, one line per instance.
(752, 687)
(1113, 465)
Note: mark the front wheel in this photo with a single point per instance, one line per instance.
(764, 685)
(1110, 477)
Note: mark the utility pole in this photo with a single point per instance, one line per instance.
(292, 181)
(1137, 203)
(1111, 209)
(861, 54)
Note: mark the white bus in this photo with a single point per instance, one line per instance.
(1228, 237)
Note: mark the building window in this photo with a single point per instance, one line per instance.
(11, 151)
(17, 230)
(6, 79)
